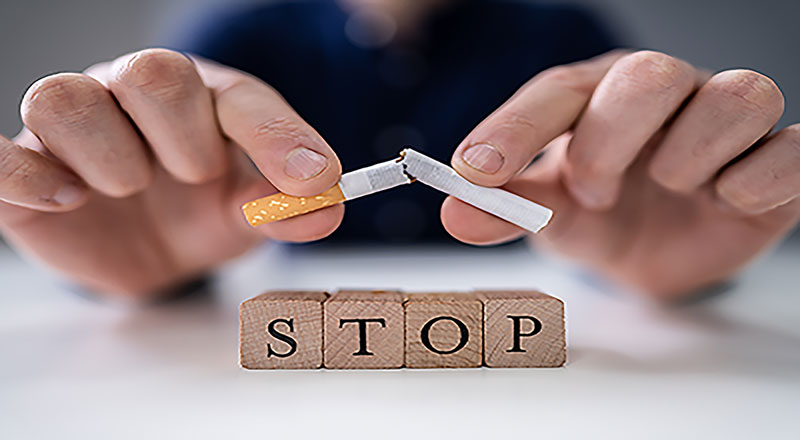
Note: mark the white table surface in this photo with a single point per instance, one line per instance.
(728, 367)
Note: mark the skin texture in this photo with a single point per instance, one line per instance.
(661, 176)
(112, 161)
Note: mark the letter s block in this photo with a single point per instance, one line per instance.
(444, 330)
(364, 329)
(523, 328)
(282, 329)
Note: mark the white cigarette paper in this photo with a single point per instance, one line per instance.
(510, 207)
(373, 179)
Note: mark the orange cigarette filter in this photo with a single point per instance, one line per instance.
(282, 206)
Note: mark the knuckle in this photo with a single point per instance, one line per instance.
(123, 182)
(649, 69)
(587, 165)
(572, 77)
(280, 127)
(515, 119)
(737, 193)
(160, 73)
(593, 167)
(66, 98)
(750, 90)
(14, 170)
(587, 162)
(666, 178)
(130, 186)
(196, 173)
(18, 175)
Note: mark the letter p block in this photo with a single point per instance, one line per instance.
(524, 328)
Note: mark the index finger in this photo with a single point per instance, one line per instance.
(545, 107)
(287, 151)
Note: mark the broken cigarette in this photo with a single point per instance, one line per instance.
(410, 166)
(351, 186)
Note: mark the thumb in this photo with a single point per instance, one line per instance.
(540, 182)
(286, 149)
(250, 185)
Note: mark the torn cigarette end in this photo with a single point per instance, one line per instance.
(281, 206)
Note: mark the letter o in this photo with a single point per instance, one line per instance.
(426, 339)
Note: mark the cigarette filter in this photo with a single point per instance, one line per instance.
(411, 166)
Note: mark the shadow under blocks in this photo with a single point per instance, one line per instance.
(362, 329)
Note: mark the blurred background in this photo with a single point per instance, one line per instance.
(39, 37)
(725, 368)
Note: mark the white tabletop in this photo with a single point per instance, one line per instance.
(728, 367)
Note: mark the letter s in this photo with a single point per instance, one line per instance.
(281, 337)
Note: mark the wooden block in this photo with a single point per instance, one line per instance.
(523, 329)
(282, 329)
(364, 329)
(443, 330)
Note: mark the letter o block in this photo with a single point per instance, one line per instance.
(282, 329)
(364, 329)
(443, 330)
(523, 329)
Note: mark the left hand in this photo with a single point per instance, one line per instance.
(660, 175)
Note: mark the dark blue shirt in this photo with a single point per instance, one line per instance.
(370, 102)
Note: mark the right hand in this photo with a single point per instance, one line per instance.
(129, 177)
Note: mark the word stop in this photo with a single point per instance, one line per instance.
(390, 329)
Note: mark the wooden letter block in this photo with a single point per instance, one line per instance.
(282, 329)
(523, 329)
(444, 330)
(364, 329)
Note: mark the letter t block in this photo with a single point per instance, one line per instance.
(364, 329)
(282, 329)
(524, 328)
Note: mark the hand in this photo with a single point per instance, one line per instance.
(661, 176)
(129, 177)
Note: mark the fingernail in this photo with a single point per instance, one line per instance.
(483, 157)
(68, 195)
(303, 164)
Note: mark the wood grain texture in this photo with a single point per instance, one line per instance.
(443, 330)
(535, 317)
(374, 343)
(273, 313)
